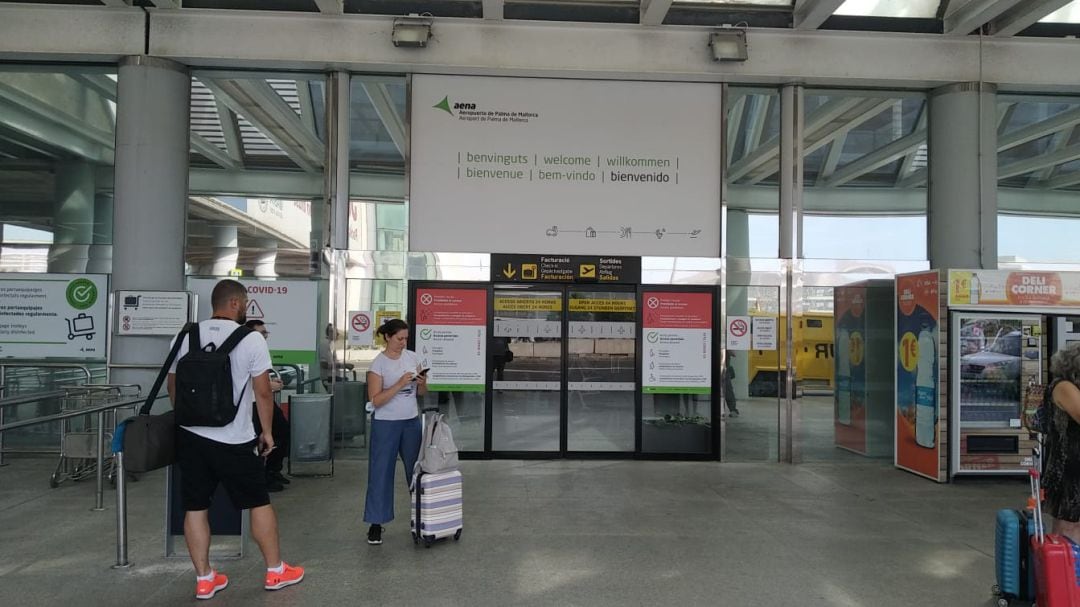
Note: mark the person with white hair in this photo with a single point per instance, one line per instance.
(1061, 468)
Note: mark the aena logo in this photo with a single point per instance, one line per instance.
(448, 107)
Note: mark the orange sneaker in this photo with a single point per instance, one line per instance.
(206, 589)
(290, 575)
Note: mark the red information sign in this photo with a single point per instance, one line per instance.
(677, 310)
(451, 307)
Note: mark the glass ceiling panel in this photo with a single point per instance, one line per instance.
(740, 2)
(1070, 13)
(925, 9)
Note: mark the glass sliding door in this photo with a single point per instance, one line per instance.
(527, 356)
(601, 370)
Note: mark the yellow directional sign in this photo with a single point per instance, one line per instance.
(587, 270)
(528, 271)
(509, 271)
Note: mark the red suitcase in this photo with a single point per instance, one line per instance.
(1056, 558)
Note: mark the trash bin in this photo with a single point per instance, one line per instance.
(350, 417)
(309, 430)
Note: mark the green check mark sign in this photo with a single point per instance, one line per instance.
(652, 336)
(425, 334)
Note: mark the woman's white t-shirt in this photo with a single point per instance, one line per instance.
(403, 404)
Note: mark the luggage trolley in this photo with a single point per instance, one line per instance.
(78, 435)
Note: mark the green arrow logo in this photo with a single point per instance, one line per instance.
(444, 105)
(81, 294)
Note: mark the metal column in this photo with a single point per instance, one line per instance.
(791, 186)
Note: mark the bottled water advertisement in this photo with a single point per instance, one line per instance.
(917, 373)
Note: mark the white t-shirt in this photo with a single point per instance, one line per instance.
(403, 404)
(250, 358)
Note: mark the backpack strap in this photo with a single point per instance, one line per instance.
(190, 328)
(194, 340)
(234, 340)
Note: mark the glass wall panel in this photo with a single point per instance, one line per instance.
(864, 220)
(57, 148)
(1038, 181)
(752, 231)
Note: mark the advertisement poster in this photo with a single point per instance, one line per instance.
(53, 316)
(677, 330)
(849, 307)
(917, 373)
(451, 338)
(999, 289)
(289, 309)
(361, 328)
(151, 312)
(552, 163)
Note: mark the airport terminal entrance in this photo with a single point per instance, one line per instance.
(531, 369)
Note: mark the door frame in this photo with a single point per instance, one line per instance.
(716, 404)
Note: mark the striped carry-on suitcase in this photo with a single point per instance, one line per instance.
(436, 511)
(436, 507)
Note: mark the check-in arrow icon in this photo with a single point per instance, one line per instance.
(509, 271)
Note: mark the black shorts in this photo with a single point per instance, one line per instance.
(205, 463)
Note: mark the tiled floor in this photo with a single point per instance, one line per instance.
(547, 533)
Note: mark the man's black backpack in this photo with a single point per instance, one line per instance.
(204, 381)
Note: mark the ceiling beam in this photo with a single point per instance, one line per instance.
(962, 19)
(811, 14)
(99, 83)
(1023, 16)
(212, 152)
(1057, 122)
(914, 180)
(331, 7)
(734, 124)
(1035, 163)
(257, 101)
(493, 9)
(832, 160)
(387, 111)
(1061, 139)
(876, 159)
(653, 12)
(230, 129)
(54, 128)
(1062, 181)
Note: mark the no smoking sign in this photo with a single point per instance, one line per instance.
(360, 333)
(738, 333)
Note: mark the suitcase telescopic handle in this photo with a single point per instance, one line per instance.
(1035, 476)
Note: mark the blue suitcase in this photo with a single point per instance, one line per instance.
(1015, 571)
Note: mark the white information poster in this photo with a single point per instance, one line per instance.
(677, 328)
(565, 166)
(53, 316)
(451, 338)
(764, 333)
(288, 307)
(738, 333)
(361, 328)
(151, 312)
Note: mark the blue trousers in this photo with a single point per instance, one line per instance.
(390, 439)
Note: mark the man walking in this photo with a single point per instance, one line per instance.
(231, 455)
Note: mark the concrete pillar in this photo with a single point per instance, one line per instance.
(73, 217)
(266, 259)
(737, 233)
(151, 197)
(100, 258)
(226, 250)
(962, 209)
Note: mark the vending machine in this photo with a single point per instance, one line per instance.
(993, 356)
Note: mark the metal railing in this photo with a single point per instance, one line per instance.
(121, 478)
(15, 364)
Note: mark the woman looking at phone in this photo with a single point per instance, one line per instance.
(394, 381)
